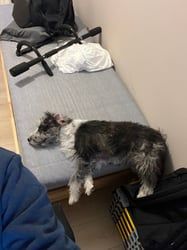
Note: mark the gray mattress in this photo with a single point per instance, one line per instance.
(83, 95)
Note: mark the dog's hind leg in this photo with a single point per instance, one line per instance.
(148, 168)
(146, 188)
(82, 175)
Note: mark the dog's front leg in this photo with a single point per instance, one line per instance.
(74, 189)
(82, 175)
(88, 184)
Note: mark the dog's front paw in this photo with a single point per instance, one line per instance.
(88, 185)
(89, 189)
(73, 199)
(74, 191)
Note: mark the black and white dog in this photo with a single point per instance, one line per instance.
(97, 143)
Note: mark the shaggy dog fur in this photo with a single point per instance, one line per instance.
(97, 143)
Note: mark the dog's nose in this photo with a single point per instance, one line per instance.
(29, 139)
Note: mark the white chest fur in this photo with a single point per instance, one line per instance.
(68, 137)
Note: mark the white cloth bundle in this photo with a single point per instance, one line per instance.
(78, 57)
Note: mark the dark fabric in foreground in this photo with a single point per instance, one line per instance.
(26, 216)
(161, 219)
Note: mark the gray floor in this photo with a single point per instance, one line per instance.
(91, 222)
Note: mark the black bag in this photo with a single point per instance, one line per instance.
(161, 219)
(55, 15)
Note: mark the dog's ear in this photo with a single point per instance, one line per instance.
(59, 118)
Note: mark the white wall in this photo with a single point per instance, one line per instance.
(148, 43)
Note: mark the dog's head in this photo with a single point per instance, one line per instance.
(48, 131)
